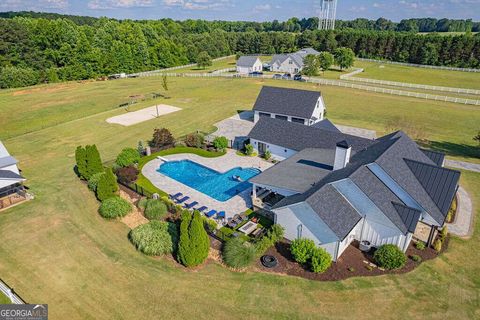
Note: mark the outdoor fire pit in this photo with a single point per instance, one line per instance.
(269, 261)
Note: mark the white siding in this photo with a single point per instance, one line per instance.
(287, 66)
(278, 153)
(256, 117)
(257, 67)
(300, 221)
(319, 111)
(378, 234)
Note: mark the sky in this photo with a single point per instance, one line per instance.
(257, 10)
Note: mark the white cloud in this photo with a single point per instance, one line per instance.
(33, 5)
(113, 4)
(198, 4)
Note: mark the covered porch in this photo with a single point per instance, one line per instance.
(265, 198)
(12, 195)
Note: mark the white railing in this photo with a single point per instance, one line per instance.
(7, 291)
(155, 72)
(338, 83)
(420, 65)
(224, 70)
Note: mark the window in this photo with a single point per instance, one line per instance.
(281, 117)
(298, 120)
(263, 114)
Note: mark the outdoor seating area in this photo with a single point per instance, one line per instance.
(179, 198)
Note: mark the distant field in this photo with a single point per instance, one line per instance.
(56, 249)
(390, 72)
(218, 65)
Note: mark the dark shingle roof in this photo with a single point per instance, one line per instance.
(436, 157)
(299, 172)
(291, 102)
(247, 61)
(7, 174)
(297, 136)
(326, 124)
(440, 183)
(409, 216)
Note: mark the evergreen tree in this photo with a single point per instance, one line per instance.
(194, 243)
(94, 162)
(107, 186)
(81, 159)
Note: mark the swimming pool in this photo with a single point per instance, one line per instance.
(220, 186)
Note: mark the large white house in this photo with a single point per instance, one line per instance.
(11, 182)
(291, 63)
(249, 64)
(335, 188)
(301, 106)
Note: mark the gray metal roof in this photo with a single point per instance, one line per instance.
(299, 172)
(436, 157)
(291, 102)
(247, 61)
(7, 174)
(409, 216)
(326, 124)
(297, 136)
(7, 161)
(306, 51)
(440, 183)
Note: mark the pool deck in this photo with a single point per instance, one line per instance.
(238, 204)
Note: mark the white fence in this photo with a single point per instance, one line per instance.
(7, 291)
(338, 83)
(420, 65)
(155, 72)
(224, 70)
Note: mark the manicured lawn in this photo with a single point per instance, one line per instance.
(4, 299)
(85, 267)
(390, 72)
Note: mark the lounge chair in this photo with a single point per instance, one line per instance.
(221, 215)
(183, 199)
(201, 209)
(210, 213)
(191, 205)
(175, 196)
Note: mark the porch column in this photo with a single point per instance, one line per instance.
(254, 192)
(430, 236)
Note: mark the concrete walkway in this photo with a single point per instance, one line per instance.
(475, 167)
(463, 224)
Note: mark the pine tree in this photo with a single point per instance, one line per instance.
(194, 242)
(94, 162)
(107, 186)
(81, 159)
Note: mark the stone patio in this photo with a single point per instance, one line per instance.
(238, 204)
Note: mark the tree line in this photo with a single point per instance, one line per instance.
(38, 50)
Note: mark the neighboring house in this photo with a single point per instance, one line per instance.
(300, 106)
(291, 63)
(11, 182)
(249, 64)
(334, 188)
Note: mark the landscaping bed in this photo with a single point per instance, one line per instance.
(350, 264)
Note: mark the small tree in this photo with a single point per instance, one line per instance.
(81, 159)
(127, 157)
(320, 260)
(302, 249)
(126, 174)
(165, 82)
(325, 60)
(311, 65)
(204, 60)
(94, 163)
(194, 242)
(162, 138)
(107, 185)
(344, 57)
(220, 143)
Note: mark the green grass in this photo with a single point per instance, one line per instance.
(391, 72)
(56, 249)
(4, 299)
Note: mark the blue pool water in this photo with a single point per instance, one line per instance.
(220, 186)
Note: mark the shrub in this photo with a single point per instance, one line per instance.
(220, 143)
(81, 161)
(210, 224)
(267, 155)
(420, 245)
(194, 140)
(416, 258)
(127, 157)
(94, 162)
(155, 238)
(320, 260)
(238, 254)
(128, 174)
(390, 257)
(273, 235)
(162, 138)
(142, 203)
(155, 209)
(437, 245)
(302, 249)
(93, 181)
(194, 243)
(351, 269)
(444, 233)
(107, 185)
(249, 149)
(140, 148)
(114, 207)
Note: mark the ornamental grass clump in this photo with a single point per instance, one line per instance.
(155, 238)
(155, 209)
(238, 254)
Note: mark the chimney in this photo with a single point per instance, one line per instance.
(342, 155)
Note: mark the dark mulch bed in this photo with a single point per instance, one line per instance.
(350, 264)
